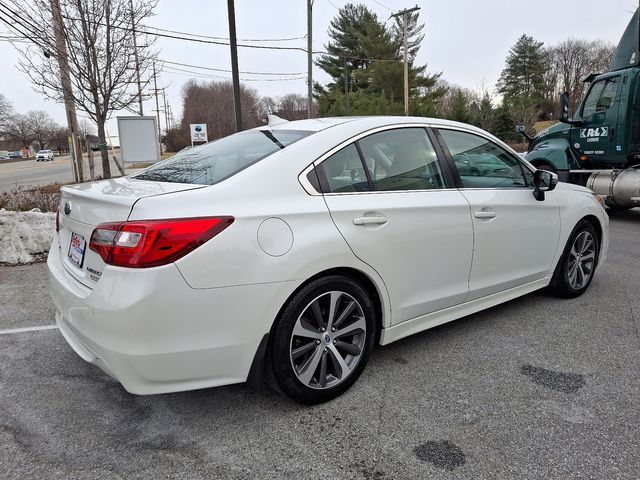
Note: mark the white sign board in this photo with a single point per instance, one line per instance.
(138, 139)
(198, 132)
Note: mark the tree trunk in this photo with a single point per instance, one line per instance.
(104, 153)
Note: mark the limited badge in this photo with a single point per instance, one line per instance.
(576, 145)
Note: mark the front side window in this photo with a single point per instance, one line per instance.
(481, 163)
(401, 159)
(215, 161)
(600, 97)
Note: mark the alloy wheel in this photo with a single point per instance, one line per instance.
(328, 340)
(581, 260)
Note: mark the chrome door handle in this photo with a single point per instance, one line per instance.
(484, 214)
(370, 220)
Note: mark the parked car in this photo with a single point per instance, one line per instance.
(44, 155)
(292, 249)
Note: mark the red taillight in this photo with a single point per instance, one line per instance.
(58, 219)
(150, 243)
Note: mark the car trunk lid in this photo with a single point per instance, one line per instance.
(84, 206)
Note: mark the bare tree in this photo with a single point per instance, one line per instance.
(86, 128)
(6, 111)
(60, 140)
(100, 45)
(42, 126)
(571, 61)
(292, 106)
(20, 131)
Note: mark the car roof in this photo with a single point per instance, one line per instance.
(318, 124)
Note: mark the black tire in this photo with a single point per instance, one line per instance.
(283, 344)
(562, 284)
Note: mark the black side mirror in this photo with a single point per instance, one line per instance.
(543, 181)
(564, 107)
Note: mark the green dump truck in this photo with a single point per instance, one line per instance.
(600, 145)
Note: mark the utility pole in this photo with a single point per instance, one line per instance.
(155, 90)
(234, 64)
(166, 111)
(405, 19)
(135, 56)
(69, 103)
(309, 59)
(346, 86)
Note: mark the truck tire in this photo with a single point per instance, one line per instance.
(578, 262)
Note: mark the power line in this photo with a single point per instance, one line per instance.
(384, 6)
(225, 38)
(333, 4)
(180, 71)
(196, 40)
(12, 15)
(229, 71)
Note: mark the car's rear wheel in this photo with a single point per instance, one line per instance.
(577, 265)
(322, 340)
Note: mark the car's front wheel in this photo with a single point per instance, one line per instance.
(322, 340)
(577, 265)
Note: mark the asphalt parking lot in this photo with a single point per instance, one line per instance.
(537, 388)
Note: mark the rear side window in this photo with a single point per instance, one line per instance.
(401, 159)
(343, 172)
(215, 161)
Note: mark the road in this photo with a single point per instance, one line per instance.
(30, 172)
(537, 388)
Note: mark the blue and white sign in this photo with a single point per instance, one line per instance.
(198, 132)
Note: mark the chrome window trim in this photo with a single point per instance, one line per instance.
(302, 177)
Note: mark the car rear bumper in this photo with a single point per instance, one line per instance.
(154, 334)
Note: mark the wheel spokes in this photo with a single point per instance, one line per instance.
(300, 351)
(339, 363)
(334, 299)
(310, 366)
(350, 348)
(303, 329)
(358, 326)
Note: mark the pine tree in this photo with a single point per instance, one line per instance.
(522, 82)
(374, 69)
(523, 75)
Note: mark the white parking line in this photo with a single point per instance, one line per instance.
(28, 329)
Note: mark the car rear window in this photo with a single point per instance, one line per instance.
(216, 161)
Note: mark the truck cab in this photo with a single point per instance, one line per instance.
(604, 132)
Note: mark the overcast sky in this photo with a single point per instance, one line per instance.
(466, 40)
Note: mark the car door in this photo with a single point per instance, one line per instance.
(599, 137)
(515, 236)
(398, 210)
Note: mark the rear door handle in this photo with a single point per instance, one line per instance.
(370, 220)
(484, 214)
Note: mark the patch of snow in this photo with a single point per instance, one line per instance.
(25, 234)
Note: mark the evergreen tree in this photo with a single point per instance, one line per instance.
(524, 72)
(522, 82)
(370, 56)
(460, 111)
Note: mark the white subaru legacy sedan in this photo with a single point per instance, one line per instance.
(290, 250)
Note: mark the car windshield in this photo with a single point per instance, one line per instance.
(215, 161)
